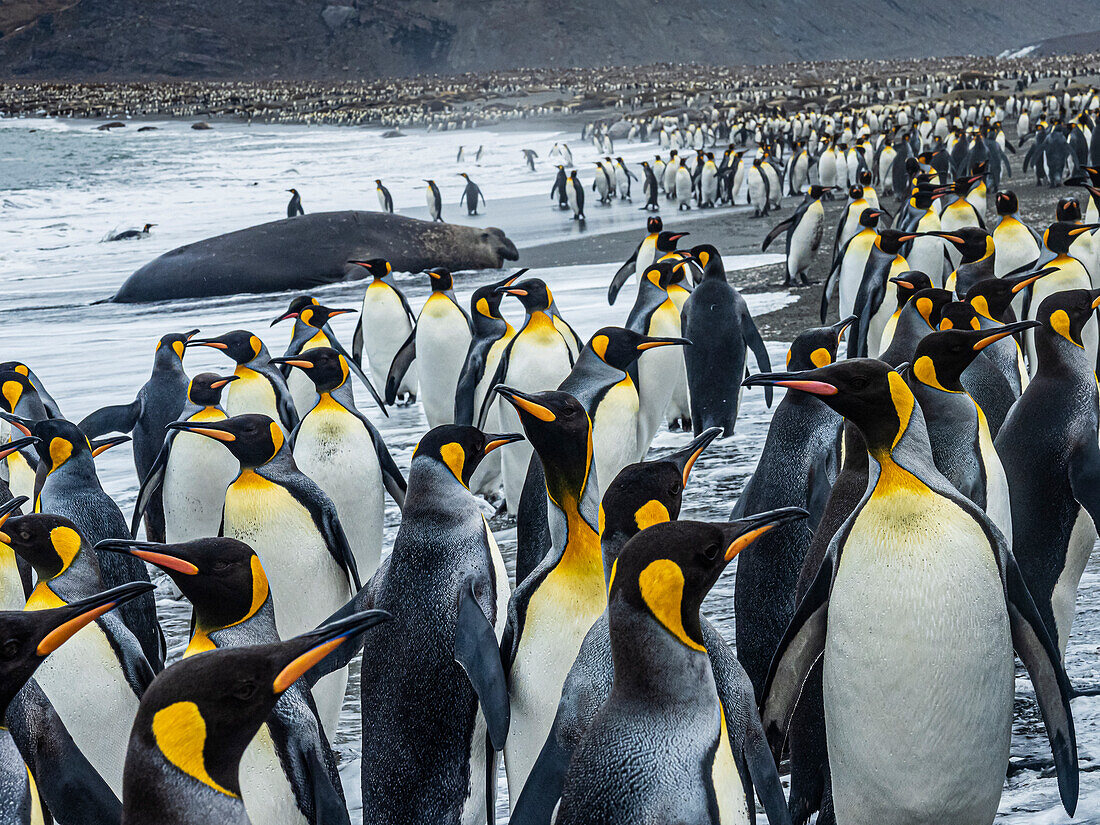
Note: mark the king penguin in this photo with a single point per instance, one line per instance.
(385, 321)
(803, 231)
(293, 526)
(385, 199)
(19, 398)
(1070, 274)
(434, 201)
(288, 772)
(663, 242)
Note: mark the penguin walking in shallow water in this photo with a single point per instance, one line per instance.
(96, 681)
(918, 604)
(288, 771)
(650, 188)
(293, 526)
(340, 449)
(447, 587)
(471, 194)
(385, 321)
(385, 199)
(1049, 450)
(191, 473)
(574, 193)
(803, 230)
(717, 322)
(434, 201)
(158, 403)
(56, 778)
(438, 341)
(294, 208)
(259, 387)
(197, 719)
(558, 190)
(663, 690)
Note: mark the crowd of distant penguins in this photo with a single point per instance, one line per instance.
(922, 510)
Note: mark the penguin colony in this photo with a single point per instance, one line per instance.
(921, 515)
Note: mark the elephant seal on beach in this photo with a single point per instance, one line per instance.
(311, 250)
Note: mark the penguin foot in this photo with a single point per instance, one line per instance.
(808, 281)
(1036, 764)
(1087, 690)
(406, 399)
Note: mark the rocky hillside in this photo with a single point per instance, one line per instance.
(298, 39)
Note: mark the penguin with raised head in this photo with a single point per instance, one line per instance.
(259, 387)
(918, 604)
(558, 191)
(759, 189)
(574, 195)
(288, 771)
(95, 683)
(158, 403)
(664, 689)
(438, 340)
(650, 188)
(848, 266)
(644, 254)
(19, 398)
(803, 229)
(294, 529)
(385, 199)
(977, 256)
(1070, 274)
(876, 299)
(921, 315)
(434, 201)
(471, 194)
(56, 777)
(1017, 244)
(340, 449)
(717, 322)
(191, 474)
(796, 469)
(294, 207)
(1048, 445)
(908, 284)
(52, 409)
(385, 321)
(198, 717)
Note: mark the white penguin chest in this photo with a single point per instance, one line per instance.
(385, 324)
(442, 338)
(251, 393)
(726, 780)
(195, 479)
(265, 789)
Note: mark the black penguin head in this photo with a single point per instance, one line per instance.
(620, 347)
(661, 274)
(1066, 313)
(817, 190)
(1007, 203)
(1068, 209)
(147, 227)
(855, 192)
(958, 315)
(654, 225)
(865, 177)
(558, 427)
(202, 712)
(868, 218)
(533, 293)
(929, 304)
(992, 297)
(292, 191)
(866, 391)
(60, 441)
(317, 316)
(667, 570)
(253, 439)
(485, 300)
(239, 344)
(817, 347)
(296, 307)
(205, 389)
(378, 182)
(377, 267)
(440, 279)
(909, 283)
(47, 542)
(1061, 234)
(221, 577)
(972, 242)
(324, 366)
(15, 388)
(170, 347)
(710, 260)
(941, 357)
(460, 448)
(890, 241)
(666, 241)
(27, 637)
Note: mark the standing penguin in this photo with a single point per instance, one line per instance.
(1017, 244)
(916, 605)
(650, 188)
(1070, 274)
(876, 298)
(434, 201)
(385, 199)
(447, 587)
(385, 321)
(976, 252)
(804, 230)
(191, 474)
(663, 690)
(158, 403)
(288, 772)
(293, 527)
(718, 324)
(19, 398)
(439, 340)
(558, 190)
(294, 208)
(259, 387)
(907, 284)
(96, 681)
(656, 245)
(471, 194)
(684, 186)
(574, 192)
(1049, 450)
(339, 448)
(759, 189)
(196, 721)
(849, 264)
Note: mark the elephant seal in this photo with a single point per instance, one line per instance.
(309, 250)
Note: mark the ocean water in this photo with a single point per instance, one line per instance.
(65, 186)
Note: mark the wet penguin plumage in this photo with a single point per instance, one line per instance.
(288, 771)
(803, 232)
(718, 324)
(385, 199)
(471, 194)
(641, 258)
(294, 207)
(939, 644)
(191, 473)
(385, 321)
(438, 342)
(434, 201)
(340, 449)
(294, 529)
(95, 683)
(444, 696)
(558, 191)
(197, 719)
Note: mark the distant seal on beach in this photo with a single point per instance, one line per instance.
(309, 250)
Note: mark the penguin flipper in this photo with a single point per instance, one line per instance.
(802, 644)
(392, 479)
(777, 231)
(1084, 477)
(353, 365)
(621, 275)
(763, 774)
(751, 335)
(120, 418)
(151, 483)
(288, 415)
(401, 363)
(357, 343)
(830, 284)
(498, 378)
(1052, 689)
(342, 656)
(472, 372)
(317, 782)
(542, 789)
(477, 651)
